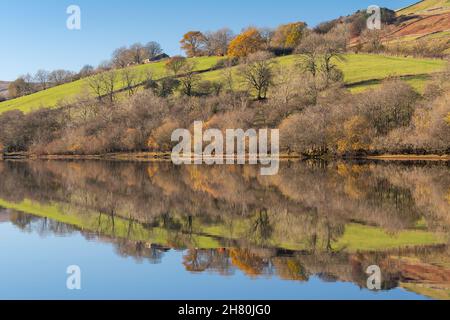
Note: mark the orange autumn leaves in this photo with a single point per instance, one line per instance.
(246, 43)
(250, 40)
(253, 40)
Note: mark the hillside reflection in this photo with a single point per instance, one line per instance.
(331, 220)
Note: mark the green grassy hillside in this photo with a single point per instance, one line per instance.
(361, 71)
(50, 98)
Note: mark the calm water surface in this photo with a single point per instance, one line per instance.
(155, 231)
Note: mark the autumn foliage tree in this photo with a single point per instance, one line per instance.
(248, 42)
(193, 43)
(289, 36)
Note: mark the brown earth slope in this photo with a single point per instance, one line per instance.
(424, 25)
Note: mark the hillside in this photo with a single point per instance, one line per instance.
(426, 20)
(50, 97)
(361, 71)
(426, 7)
(4, 88)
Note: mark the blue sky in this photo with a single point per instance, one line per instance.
(34, 34)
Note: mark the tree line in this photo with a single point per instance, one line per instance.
(121, 58)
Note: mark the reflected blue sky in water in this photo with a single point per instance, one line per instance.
(33, 267)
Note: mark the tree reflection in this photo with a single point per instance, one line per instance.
(230, 218)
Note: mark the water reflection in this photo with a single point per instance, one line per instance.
(330, 220)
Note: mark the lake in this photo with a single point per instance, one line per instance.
(141, 230)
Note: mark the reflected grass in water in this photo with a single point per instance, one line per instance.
(314, 218)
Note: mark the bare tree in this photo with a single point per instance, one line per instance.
(86, 71)
(267, 35)
(216, 43)
(257, 73)
(138, 53)
(318, 52)
(130, 80)
(310, 53)
(153, 49)
(175, 64)
(109, 84)
(42, 78)
(104, 84)
(105, 65)
(286, 83)
(332, 49)
(372, 40)
(122, 57)
(95, 83)
(60, 76)
(228, 75)
(190, 78)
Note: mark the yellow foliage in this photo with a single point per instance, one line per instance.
(152, 170)
(342, 170)
(247, 262)
(290, 269)
(357, 135)
(74, 148)
(289, 35)
(160, 138)
(350, 185)
(200, 181)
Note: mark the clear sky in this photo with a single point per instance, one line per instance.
(34, 34)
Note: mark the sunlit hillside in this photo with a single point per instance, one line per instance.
(361, 71)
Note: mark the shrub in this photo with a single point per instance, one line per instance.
(206, 88)
(163, 88)
(160, 138)
(389, 107)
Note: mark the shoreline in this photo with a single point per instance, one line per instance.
(401, 157)
(166, 156)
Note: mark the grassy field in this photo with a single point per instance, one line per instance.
(50, 98)
(357, 237)
(361, 71)
(102, 224)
